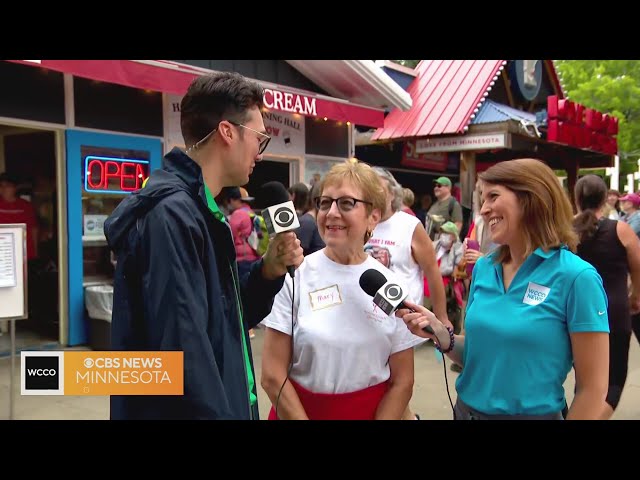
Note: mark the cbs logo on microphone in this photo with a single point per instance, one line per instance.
(281, 218)
(393, 292)
(284, 217)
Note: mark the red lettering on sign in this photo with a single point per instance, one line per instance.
(115, 175)
(573, 124)
(130, 186)
(95, 166)
(111, 170)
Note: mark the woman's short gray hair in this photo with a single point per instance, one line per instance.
(394, 186)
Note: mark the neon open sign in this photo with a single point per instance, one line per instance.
(114, 175)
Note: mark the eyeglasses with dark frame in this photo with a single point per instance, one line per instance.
(345, 204)
(262, 143)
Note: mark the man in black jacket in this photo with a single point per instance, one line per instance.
(176, 284)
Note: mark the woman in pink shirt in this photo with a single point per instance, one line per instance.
(241, 225)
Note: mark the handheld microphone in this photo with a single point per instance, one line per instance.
(277, 210)
(388, 296)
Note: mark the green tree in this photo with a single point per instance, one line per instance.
(609, 86)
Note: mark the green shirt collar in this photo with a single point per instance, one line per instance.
(213, 206)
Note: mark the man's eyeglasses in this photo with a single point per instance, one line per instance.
(345, 204)
(263, 141)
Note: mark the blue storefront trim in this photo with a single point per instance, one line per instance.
(75, 139)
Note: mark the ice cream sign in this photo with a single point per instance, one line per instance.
(289, 102)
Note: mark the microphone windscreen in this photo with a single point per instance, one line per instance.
(371, 281)
(271, 193)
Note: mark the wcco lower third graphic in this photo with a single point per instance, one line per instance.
(101, 373)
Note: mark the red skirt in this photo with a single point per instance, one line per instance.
(359, 405)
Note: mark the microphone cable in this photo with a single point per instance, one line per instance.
(293, 297)
(446, 382)
(444, 366)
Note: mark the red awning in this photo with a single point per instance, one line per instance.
(175, 78)
(445, 94)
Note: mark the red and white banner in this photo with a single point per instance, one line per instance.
(175, 78)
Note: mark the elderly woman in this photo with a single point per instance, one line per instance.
(329, 352)
(534, 310)
(400, 242)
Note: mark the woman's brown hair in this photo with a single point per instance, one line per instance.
(547, 216)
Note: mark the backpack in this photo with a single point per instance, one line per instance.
(432, 226)
(259, 237)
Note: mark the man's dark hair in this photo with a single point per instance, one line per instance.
(300, 194)
(229, 193)
(233, 193)
(8, 177)
(215, 97)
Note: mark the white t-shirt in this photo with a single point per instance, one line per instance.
(391, 244)
(342, 341)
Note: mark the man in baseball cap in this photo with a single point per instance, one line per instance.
(239, 194)
(634, 198)
(630, 203)
(244, 195)
(445, 209)
(442, 181)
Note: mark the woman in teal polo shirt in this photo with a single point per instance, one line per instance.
(534, 309)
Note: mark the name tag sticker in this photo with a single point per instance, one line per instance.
(535, 294)
(325, 297)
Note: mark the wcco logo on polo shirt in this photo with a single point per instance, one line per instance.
(535, 294)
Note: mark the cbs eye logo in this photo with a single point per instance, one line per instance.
(283, 217)
(393, 292)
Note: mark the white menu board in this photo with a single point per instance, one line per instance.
(13, 278)
(7, 260)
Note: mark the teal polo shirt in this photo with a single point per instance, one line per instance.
(517, 349)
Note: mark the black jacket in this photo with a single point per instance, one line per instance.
(173, 290)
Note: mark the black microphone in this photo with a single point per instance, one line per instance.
(388, 296)
(277, 210)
